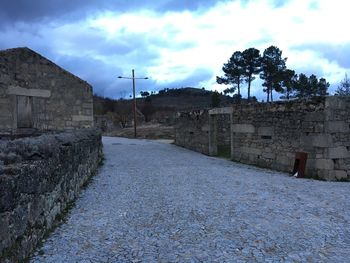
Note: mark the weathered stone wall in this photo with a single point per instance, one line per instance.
(192, 130)
(55, 99)
(270, 134)
(106, 123)
(39, 176)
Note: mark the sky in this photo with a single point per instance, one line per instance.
(177, 43)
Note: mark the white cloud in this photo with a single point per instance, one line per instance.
(171, 46)
(229, 26)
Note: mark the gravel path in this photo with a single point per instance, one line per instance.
(155, 202)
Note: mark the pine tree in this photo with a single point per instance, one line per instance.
(234, 72)
(215, 99)
(344, 87)
(307, 87)
(289, 79)
(301, 86)
(323, 86)
(252, 65)
(273, 66)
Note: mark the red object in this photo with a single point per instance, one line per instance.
(300, 164)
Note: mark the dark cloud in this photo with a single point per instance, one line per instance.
(39, 10)
(103, 74)
(178, 5)
(92, 56)
(98, 73)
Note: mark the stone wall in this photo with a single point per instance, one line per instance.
(192, 130)
(106, 123)
(270, 134)
(36, 93)
(39, 176)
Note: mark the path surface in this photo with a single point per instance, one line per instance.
(155, 202)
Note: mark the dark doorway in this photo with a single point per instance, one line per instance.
(24, 112)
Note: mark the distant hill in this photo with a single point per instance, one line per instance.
(186, 98)
(160, 107)
(176, 99)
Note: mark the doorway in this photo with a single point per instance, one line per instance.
(24, 112)
(220, 141)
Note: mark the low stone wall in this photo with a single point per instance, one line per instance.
(192, 130)
(39, 176)
(105, 123)
(270, 134)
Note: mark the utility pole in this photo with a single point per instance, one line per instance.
(133, 95)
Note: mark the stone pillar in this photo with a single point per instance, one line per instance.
(231, 134)
(213, 144)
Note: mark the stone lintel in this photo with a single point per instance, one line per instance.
(15, 90)
(225, 110)
(82, 118)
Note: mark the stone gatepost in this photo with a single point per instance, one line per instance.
(213, 128)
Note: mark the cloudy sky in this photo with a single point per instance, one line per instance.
(177, 43)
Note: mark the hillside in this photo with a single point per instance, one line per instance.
(159, 108)
(186, 98)
(175, 99)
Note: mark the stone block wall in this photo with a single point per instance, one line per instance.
(270, 134)
(39, 176)
(192, 130)
(55, 98)
(106, 123)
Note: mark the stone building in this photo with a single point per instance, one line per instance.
(272, 134)
(36, 94)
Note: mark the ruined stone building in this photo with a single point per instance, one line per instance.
(271, 135)
(36, 94)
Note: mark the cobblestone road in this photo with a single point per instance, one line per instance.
(155, 202)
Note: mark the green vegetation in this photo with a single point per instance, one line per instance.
(271, 68)
(344, 87)
(159, 107)
(215, 99)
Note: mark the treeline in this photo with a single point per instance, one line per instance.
(244, 67)
(175, 92)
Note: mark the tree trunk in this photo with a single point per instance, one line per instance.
(249, 81)
(268, 94)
